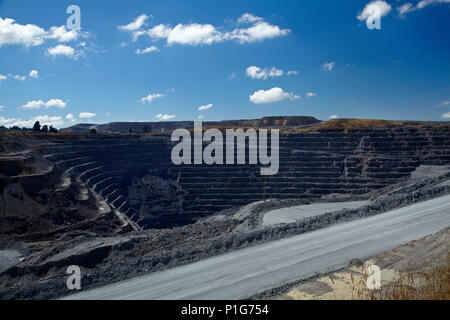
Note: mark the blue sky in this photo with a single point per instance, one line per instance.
(237, 59)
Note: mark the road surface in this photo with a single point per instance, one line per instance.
(245, 272)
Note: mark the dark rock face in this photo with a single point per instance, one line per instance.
(157, 202)
(322, 163)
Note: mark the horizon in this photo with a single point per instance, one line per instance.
(173, 61)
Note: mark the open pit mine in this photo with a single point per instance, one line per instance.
(109, 199)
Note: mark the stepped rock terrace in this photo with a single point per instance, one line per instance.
(135, 175)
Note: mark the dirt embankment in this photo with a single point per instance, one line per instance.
(405, 270)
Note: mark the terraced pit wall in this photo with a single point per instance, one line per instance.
(135, 174)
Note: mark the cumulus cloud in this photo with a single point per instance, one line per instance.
(206, 34)
(17, 77)
(255, 72)
(13, 33)
(310, 94)
(249, 18)
(63, 50)
(446, 115)
(425, 3)
(194, 34)
(151, 97)
(37, 104)
(63, 35)
(405, 8)
(292, 73)
(54, 121)
(34, 74)
(328, 66)
(409, 7)
(70, 117)
(146, 50)
(272, 95)
(383, 7)
(206, 107)
(334, 116)
(86, 115)
(260, 31)
(164, 117)
(137, 24)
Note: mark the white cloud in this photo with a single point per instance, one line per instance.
(2, 78)
(159, 32)
(383, 7)
(146, 50)
(54, 121)
(258, 73)
(232, 75)
(272, 95)
(13, 33)
(197, 34)
(446, 115)
(292, 73)
(442, 104)
(310, 94)
(409, 7)
(55, 103)
(34, 74)
(136, 24)
(86, 115)
(63, 35)
(405, 8)
(194, 34)
(151, 97)
(17, 77)
(328, 66)
(334, 116)
(37, 104)
(206, 107)
(249, 18)
(2, 108)
(258, 32)
(164, 117)
(425, 3)
(201, 116)
(61, 50)
(70, 117)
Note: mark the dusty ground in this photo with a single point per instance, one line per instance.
(415, 256)
(293, 214)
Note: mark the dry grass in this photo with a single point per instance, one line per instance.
(223, 128)
(433, 283)
(352, 124)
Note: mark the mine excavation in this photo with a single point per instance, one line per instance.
(112, 202)
(224, 159)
